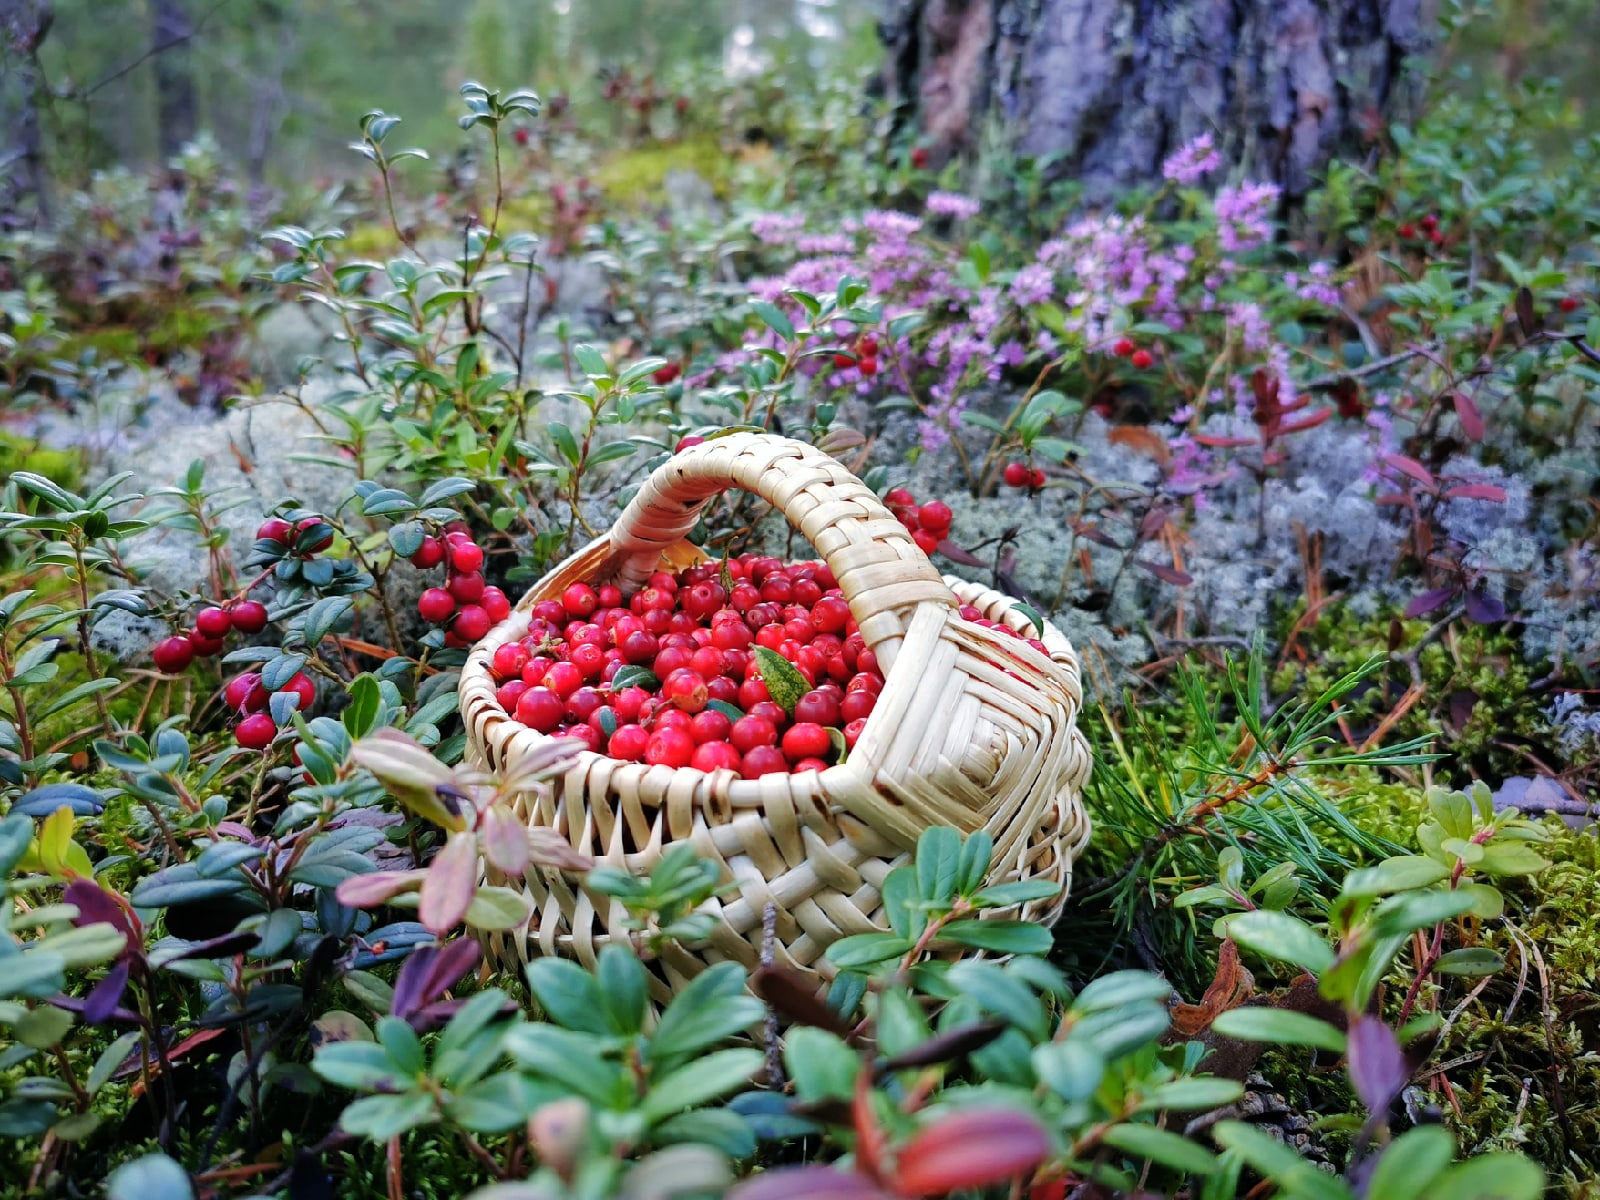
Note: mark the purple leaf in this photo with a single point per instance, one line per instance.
(1170, 574)
(1411, 467)
(1469, 416)
(100, 1005)
(808, 1183)
(1484, 609)
(1377, 1064)
(80, 1004)
(1429, 601)
(956, 554)
(1477, 491)
(225, 946)
(430, 972)
(95, 904)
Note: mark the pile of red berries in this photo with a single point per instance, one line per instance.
(212, 624)
(247, 696)
(464, 603)
(929, 523)
(1430, 231)
(588, 663)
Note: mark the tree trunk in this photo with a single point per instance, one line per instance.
(24, 185)
(1108, 88)
(176, 106)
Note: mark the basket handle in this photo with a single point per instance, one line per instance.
(882, 572)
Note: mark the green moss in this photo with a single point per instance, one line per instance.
(63, 467)
(635, 178)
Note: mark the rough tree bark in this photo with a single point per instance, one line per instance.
(176, 106)
(24, 185)
(1111, 87)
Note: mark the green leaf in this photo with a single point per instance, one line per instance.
(383, 1117)
(864, 949)
(977, 852)
(938, 864)
(498, 1103)
(1120, 989)
(403, 1046)
(568, 994)
(1163, 1147)
(714, 1006)
(153, 1177)
(359, 1066)
(565, 442)
(1402, 874)
(1001, 994)
(1419, 910)
(1280, 936)
(1000, 937)
(1191, 1095)
(1511, 858)
(1255, 1023)
(1489, 1177)
(1004, 895)
(703, 1079)
(1295, 1176)
(1472, 961)
(566, 1058)
(1070, 1069)
(820, 1064)
(1411, 1162)
(624, 988)
(775, 319)
(784, 683)
(495, 908)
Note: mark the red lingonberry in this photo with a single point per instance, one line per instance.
(1408, 231)
(610, 596)
(856, 705)
(1430, 222)
(256, 731)
(686, 689)
(763, 760)
(1016, 474)
(172, 654)
(304, 527)
(508, 693)
(710, 726)
(435, 606)
(580, 600)
(301, 686)
(591, 738)
(213, 622)
(1568, 304)
(716, 756)
(495, 603)
(541, 709)
(520, 136)
(248, 616)
(819, 708)
(468, 589)
(1123, 347)
(466, 557)
(805, 739)
(749, 732)
(898, 498)
(584, 703)
(809, 764)
(926, 542)
(868, 366)
(628, 743)
(205, 647)
(589, 659)
(1036, 479)
(472, 622)
(669, 748)
(239, 690)
(844, 361)
(663, 375)
(563, 678)
(852, 732)
(919, 158)
(1142, 359)
(428, 555)
(935, 516)
(274, 529)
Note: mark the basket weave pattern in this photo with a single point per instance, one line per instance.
(973, 729)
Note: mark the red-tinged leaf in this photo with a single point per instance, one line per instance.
(449, 885)
(1477, 491)
(431, 971)
(1170, 574)
(1526, 317)
(1218, 441)
(871, 1141)
(794, 997)
(1411, 467)
(1091, 533)
(380, 887)
(1310, 421)
(948, 1046)
(956, 554)
(96, 905)
(1377, 1063)
(1484, 609)
(1392, 498)
(1347, 394)
(809, 1183)
(971, 1149)
(505, 840)
(549, 848)
(1428, 601)
(223, 946)
(1469, 416)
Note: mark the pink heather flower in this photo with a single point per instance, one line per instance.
(952, 204)
(1189, 165)
(1248, 321)
(1011, 354)
(777, 229)
(825, 243)
(1034, 284)
(887, 224)
(1244, 214)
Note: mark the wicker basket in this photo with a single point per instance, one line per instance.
(973, 729)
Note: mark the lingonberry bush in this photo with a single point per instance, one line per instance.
(1312, 491)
